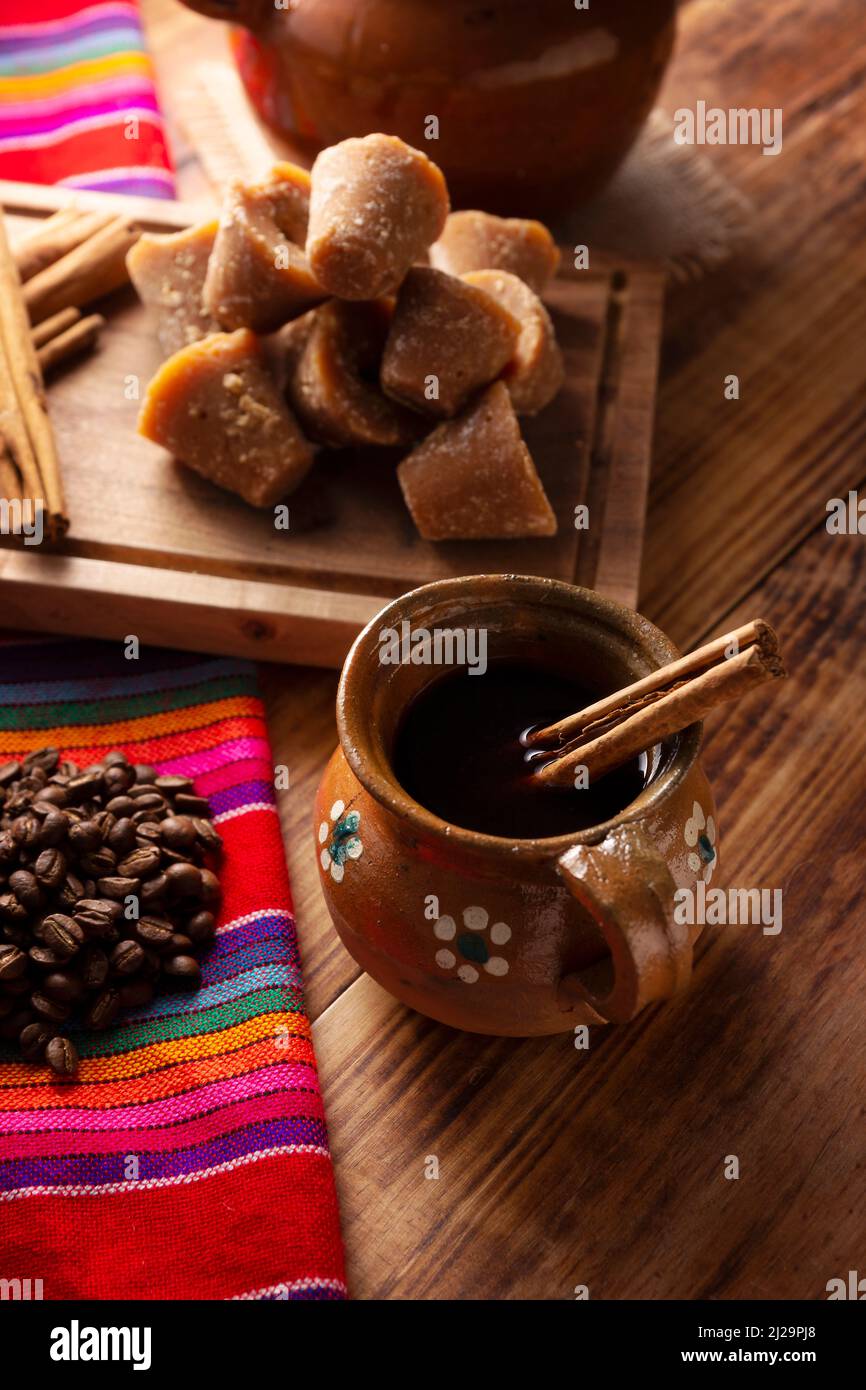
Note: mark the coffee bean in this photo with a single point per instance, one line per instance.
(118, 780)
(33, 782)
(85, 836)
(135, 994)
(155, 932)
(172, 784)
(75, 845)
(178, 832)
(142, 789)
(11, 910)
(94, 968)
(62, 935)
(209, 838)
(18, 936)
(62, 1056)
(40, 955)
(65, 987)
(210, 888)
(99, 862)
(9, 773)
(118, 888)
(116, 758)
(52, 795)
(191, 805)
(52, 1009)
(50, 869)
(174, 856)
(24, 885)
(13, 1025)
(45, 759)
(140, 863)
(53, 824)
(71, 891)
(103, 1010)
(184, 881)
(85, 785)
(182, 967)
(153, 892)
(25, 830)
(94, 921)
(13, 963)
(34, 1039)
(121, 836)
(22, 985)
(107, 906)
(126, 958)
(146, 832)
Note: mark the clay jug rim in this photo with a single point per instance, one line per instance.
(368, 762)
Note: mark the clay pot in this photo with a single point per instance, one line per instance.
(537, 101)
(491, 935)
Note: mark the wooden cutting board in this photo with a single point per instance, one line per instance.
(157, 551)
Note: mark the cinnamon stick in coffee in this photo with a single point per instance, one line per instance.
(634, 719)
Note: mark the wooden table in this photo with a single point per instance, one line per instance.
(606, 1168)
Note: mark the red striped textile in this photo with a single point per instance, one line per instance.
(78, 104)
(189, 1158)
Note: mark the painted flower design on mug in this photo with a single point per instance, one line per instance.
(700, 836)
(340, 840)
(469, 950)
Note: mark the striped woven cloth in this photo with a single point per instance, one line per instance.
(77, 100)
(189, 1159)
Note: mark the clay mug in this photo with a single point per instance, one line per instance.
(487, 934)
(537, 101)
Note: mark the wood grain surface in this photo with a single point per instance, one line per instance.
(605, 1168)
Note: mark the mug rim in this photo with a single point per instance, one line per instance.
(355, 728)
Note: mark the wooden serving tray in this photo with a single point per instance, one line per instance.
(157, 551)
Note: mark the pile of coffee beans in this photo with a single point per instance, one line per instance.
(106, 893)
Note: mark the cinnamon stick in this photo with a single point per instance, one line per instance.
(632, 721)
(50, 328)
(75, 339)
(88, 272)
(28, 438)
(56, 237)
(757, 632)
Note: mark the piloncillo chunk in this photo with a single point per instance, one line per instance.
(376, 204)
(473, 478)
(168, 271)
(258, 276)
(215, 406)
(447, 339)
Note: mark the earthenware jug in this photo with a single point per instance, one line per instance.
(535, 102)
(501, 936)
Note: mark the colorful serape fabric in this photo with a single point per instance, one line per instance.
(189, 1158)
(77, 100)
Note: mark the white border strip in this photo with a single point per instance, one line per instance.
(283, 1290)
(243, 810)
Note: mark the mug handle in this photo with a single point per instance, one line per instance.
(627, 888)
